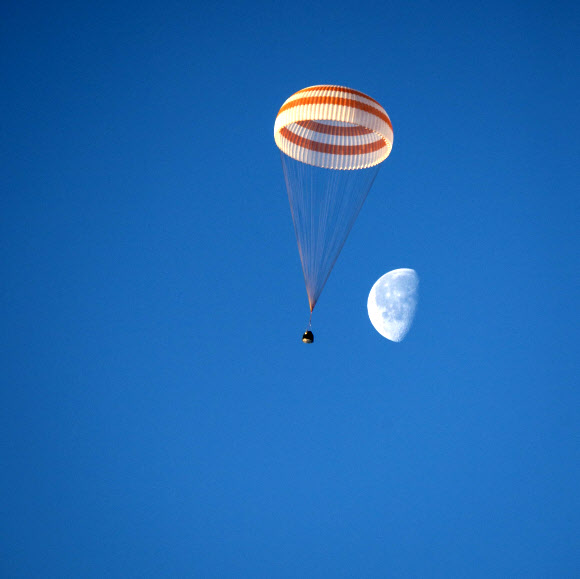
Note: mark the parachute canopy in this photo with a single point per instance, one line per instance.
(331, 139)
(334, 127)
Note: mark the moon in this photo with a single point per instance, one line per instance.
(392, 303)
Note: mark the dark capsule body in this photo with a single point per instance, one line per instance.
(308, 337)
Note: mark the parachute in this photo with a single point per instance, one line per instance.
(332, 140)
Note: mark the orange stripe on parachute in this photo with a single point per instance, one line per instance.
(351, 131)
(338, 89)
(329, 149)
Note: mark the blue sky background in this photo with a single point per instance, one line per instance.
(159, 416)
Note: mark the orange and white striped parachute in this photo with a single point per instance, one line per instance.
(332, 140)
(334, 127)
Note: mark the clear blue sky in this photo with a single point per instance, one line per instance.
(159, 416)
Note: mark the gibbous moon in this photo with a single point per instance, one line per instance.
(392, 303)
